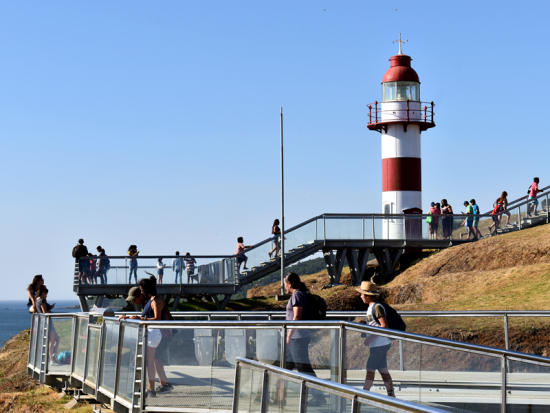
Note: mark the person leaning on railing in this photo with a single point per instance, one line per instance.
(155, 310)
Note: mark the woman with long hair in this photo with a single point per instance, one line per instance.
(42, 306)
(153, 310)
(276, 231)
(446, 222)
(297, 340)
(133, 252)
(32, 290)
(504, 206)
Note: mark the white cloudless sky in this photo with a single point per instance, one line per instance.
(157, 123)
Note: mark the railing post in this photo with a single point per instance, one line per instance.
(144, 381)
(407, 110)
(547, 209)
(363, 227)
(342, 359)
(373, 236)
(506, 333)
(425, 113)
(433, 104)
(283, 347)
(370, 113)
(118, 359)
(265, 393)
(503, 384)
(519, 217)
(303, 398)
(401, 357)
(324, 230)
(376, 111)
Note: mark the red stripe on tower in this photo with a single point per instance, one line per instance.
(401, 174)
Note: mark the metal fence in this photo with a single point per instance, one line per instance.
(110, 361)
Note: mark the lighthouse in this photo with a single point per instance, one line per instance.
(400, 118)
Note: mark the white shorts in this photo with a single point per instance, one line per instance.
(153, 337)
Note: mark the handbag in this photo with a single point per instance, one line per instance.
(165, 315)
(429, 219)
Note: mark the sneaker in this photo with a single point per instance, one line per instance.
(151, 393)
(165, 388)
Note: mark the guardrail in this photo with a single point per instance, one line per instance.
(341, 398)
(109, 361)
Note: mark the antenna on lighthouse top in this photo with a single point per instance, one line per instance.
(400, 42)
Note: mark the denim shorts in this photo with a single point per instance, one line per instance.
(534, 201)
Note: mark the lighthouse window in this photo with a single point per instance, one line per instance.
(393, 91)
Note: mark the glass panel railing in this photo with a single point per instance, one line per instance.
(527, 387)
(92, 356)
(314, 352)
(282, 395)
(344, 227)
(301, 237)
(127, 363)
(184, 270)
(33, 344)
(81, 342)
(324, 400)
(389, 228)
(201, 361)
(40, 342)
(109, 356)
(60, 344)
(426, 373)
(249, 391)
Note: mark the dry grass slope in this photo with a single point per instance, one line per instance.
(508, 272)
(19, 392)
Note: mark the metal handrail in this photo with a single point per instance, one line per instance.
(379, 331)
(331, 387)
(524, 197)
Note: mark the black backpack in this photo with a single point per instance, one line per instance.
(316, 307)
(75, 249)
(395, 322)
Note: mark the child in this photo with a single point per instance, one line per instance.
(378, 345)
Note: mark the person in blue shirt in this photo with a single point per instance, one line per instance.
(477, 232)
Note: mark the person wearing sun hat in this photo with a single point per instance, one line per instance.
(378, 345)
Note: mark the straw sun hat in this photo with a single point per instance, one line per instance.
(368, 288)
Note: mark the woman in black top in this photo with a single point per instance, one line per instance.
(33, 287)
(275, 230)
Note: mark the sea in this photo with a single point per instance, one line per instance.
(15, 316)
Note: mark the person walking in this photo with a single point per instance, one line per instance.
(276, 231)
(239, 252)
(43, 307)
(32, 290)
(160, 269)
(504, 207)
(79, 252)
(190, 267)
(155, 310)
(533, 192)
(495, 213)
(297, 340)
(177, 267)
(475, 208)
(469, 220)
(378, 345)
(133, 252)
(103, 264)
(435, 211)
(446, 222)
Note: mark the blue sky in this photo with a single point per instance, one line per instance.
(157, 123)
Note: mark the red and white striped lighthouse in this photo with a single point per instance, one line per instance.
(400, 118)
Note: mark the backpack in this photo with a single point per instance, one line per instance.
(75, 249)
(106, 263)
(430, 218)
(316, 307)
(395, 322)
(165, 315)
(64, 357)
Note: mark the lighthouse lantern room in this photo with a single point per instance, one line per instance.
(400, 118)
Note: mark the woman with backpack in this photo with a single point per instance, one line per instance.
(155, 309)
(495, 214)
(297, 340)
(378, 345)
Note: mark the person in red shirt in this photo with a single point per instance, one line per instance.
(533, 192)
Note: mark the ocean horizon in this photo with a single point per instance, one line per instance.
(15, 316)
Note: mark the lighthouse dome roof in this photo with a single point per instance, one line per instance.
(400, 69)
